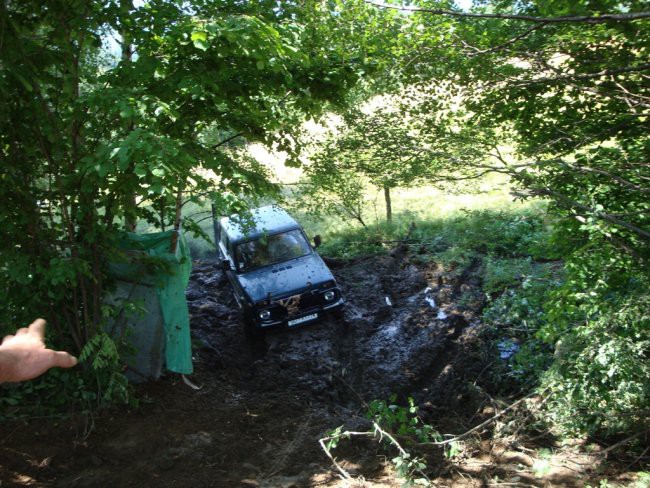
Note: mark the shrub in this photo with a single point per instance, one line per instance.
(600, 378)
(518, 314)
(503, 273)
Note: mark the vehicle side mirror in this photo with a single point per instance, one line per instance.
(317, 241)
(225, 265)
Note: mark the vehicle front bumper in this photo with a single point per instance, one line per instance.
(319, 311)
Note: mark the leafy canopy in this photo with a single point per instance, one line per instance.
(90, 141)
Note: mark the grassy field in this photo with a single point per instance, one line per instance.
(434, 212)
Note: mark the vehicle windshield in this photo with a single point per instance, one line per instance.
(271, 249)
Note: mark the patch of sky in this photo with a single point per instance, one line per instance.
(464, 5)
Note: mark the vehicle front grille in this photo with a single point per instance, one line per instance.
(301, 303)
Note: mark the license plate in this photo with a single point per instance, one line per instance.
(302, 319)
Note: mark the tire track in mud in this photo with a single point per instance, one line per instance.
(401, 332)
(393, 336)
(347, 374)
(282, 458)
(398, 337)
(257, 419)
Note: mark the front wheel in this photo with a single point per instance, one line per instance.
(253, 334)
(337, 314)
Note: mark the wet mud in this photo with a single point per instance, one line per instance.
(399, 325)
(259, 406)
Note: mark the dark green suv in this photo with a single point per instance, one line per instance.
(277, 276)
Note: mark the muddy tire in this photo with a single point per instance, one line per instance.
(252, 332)
(255, 337)
(249, 327)
(338, 314)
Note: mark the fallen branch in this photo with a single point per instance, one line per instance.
(604, 452)
(322, 441)
(376, 432)
(455, 438)
(380, 433)
(638, 458)
(383, 433)
(482, 424)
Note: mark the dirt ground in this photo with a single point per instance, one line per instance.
(262, 406)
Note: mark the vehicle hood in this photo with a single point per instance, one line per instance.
(287, 278)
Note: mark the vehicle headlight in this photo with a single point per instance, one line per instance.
(265, 314)
(329, 295)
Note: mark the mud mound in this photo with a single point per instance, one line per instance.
(262, 406)
(398, 333)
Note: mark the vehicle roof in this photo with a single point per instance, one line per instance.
(259, 221)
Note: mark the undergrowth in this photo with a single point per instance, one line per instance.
(470, 233)
(569, 318)
(97, 382)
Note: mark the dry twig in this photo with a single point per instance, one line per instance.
(482, 424)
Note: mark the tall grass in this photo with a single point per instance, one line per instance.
(420, 213)
(487, 222)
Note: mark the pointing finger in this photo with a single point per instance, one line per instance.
(64, 360)
(38, 327)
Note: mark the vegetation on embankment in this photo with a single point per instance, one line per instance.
(552, 95)
(579, 333)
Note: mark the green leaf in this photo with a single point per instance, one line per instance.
(103, 168)
(123, 159)
(22, 80)
(200, 40)
(202, 45)
(199, 35)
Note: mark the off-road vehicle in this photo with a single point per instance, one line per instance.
(277, 277)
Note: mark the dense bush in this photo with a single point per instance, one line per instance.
(519, 232)
(98, 382)
(584, 335)
(576, 312)
(599, 321)
(600, 379)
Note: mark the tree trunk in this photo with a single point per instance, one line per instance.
(389, 205)
(177, 215)
(130, 203)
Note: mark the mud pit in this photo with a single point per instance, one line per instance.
(262, 406)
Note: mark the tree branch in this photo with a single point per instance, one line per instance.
(343, 472)
(618, 179)
(606, 451)
(483, 424)
(597, 19)
(601, 215)
(227, 140)
(510, 41)
(584, 76)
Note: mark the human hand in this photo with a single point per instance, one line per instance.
(24, 356)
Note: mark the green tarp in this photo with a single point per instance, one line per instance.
(149, 263)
